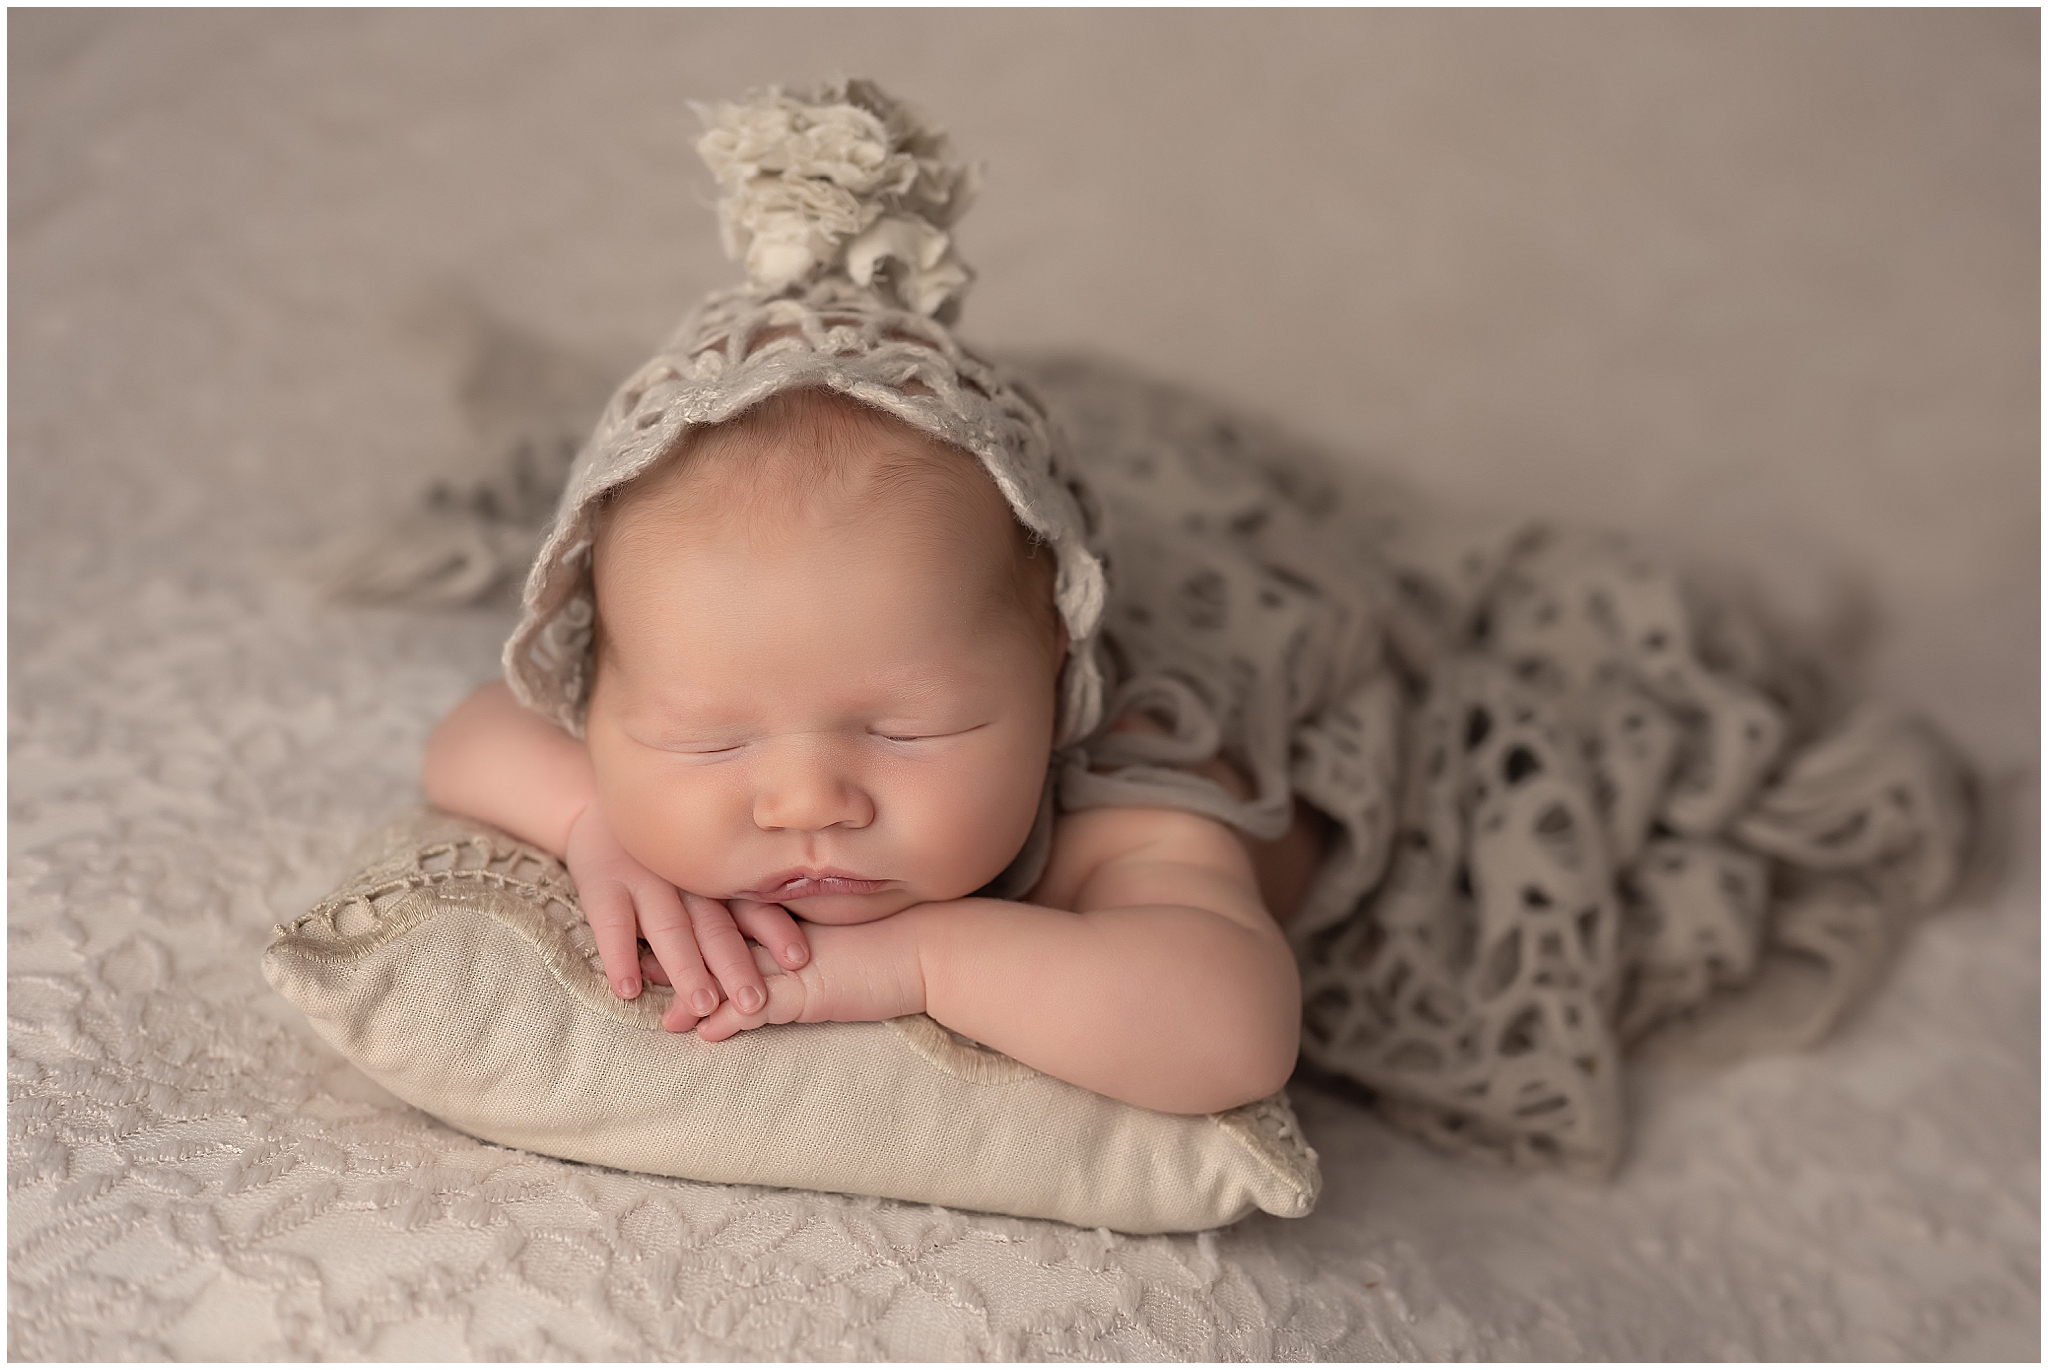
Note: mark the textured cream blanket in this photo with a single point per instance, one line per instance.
(1778, 310)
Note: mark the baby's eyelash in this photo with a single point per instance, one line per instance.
(931, 737)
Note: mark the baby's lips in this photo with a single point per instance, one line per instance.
(804, 885)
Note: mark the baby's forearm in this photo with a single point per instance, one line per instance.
(1165, 1006)
(493, 760)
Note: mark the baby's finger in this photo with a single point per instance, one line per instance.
(725, 952)
(667, 930)
(785, 1004)
(650, 969)
(773, 928)
(608, 906)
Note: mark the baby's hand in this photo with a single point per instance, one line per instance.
(857, 974)
(698, 945)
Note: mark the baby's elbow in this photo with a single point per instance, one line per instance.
(453, 753)
(464, 759)
(1251, 1052)
(442, 768)
(1258, 1066)
(1272, 1064)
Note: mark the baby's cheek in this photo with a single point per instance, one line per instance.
(656, 822)
(976, 824)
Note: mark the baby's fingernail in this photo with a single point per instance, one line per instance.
(703, 1001)
(628, 987)
(749, 999)
(792, 955)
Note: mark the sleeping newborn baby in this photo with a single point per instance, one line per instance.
(855, 686)
(825, 665)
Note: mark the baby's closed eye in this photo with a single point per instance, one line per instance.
(923, 733)
(690, 741)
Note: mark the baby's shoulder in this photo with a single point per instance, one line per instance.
(1091, 846)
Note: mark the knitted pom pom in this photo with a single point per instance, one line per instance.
(842, 180)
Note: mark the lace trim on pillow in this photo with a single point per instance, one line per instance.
(428, 860)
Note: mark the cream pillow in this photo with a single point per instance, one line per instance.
(457, 971)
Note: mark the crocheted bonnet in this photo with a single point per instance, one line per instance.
(838, 202)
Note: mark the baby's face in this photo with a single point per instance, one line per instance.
(819, 706)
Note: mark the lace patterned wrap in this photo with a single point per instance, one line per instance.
(839, 202)
(1573, 797)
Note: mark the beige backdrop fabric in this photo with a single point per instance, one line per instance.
(1760, 287)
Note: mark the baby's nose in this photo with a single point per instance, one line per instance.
(810, 794)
